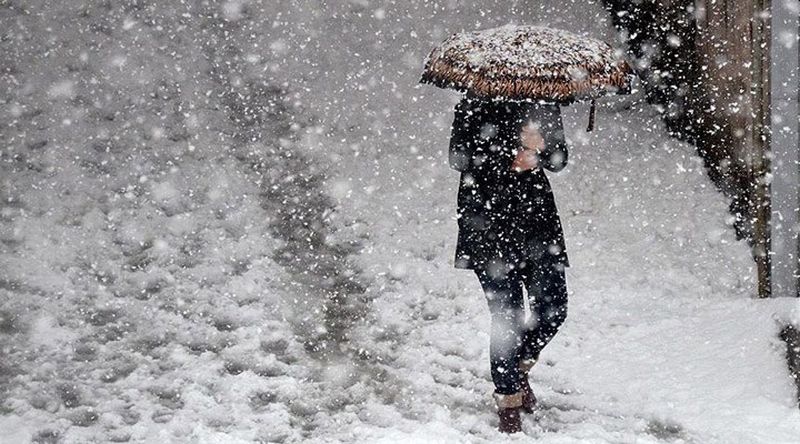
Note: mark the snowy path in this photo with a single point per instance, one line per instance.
(663, 341)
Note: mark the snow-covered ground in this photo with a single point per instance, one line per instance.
(199, 201)
(663, 340)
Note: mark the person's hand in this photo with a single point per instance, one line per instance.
(532, 143)
(531, 137)
(525, 160)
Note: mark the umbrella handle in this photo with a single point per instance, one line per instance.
(591, 118)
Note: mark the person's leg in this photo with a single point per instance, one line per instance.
(505, 299)
(547, 293)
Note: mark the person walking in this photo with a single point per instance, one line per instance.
(510, 234)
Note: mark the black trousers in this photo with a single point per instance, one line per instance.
(512, 338)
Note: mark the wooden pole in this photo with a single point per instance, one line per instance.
(760, 166)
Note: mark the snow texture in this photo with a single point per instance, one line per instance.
(233, 222)
(530, 50)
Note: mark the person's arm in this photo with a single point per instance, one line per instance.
(555, 154)
(463, 135)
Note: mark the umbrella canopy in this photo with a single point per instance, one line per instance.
(527, 62)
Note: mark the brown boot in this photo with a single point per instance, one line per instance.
(528, 398)
(508, 410)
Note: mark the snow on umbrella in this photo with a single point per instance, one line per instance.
(528, 63)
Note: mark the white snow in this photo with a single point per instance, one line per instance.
(162, 310)
(541, 48)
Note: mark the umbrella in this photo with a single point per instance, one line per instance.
(515, 62)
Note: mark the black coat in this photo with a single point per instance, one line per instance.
(506, 218)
